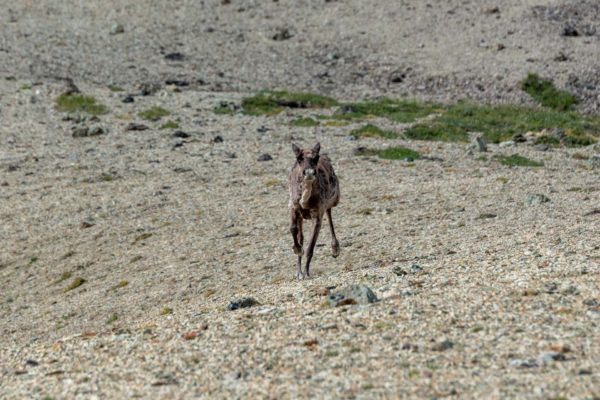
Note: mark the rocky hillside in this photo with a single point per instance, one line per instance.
(145, 248)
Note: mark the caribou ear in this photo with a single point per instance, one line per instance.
(317, 148)
(297, 150)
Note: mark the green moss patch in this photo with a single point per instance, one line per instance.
(74, 285)
(79, 103)
(169, 125)
(370, 130)
(154, 113)
(392, 153)
(516, 160)
(499, 123)
(544, 92)
(394, 110)
(273, 102)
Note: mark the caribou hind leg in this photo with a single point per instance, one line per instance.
(300, 239)
(335, 245)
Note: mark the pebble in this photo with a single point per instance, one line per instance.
(217, 139)
(181, 134)
(550, 357)
(175, 56)
(480, 144)
(442, 345)
(128, 99)
(116, 29)
(522, 363)
(85, 131)
(243, 302)
(265, 157)
(282, 33)
(399, 271)
(508, 143)
(133, 126)
(536, 199)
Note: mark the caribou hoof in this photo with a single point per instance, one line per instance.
(298, 250)
(335, 249)
(299, 275)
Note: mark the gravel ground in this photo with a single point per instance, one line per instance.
(485, 291)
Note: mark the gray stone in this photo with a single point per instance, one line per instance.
(243, 302)
(480, 144)
(353, 294)
(116, 29)
(521, 363)
(442, 345)
(536, 199)
(550, 357)
(399, 271)
(508, 143)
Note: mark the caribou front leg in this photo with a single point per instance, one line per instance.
(313, 242)
(296, 231)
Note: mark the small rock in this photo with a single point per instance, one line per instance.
(265, 157)
(492, 10)
(181, 134)
(243, 302)
(584, 371)
(397, 76)
(561, 57)
(149, 88)
(136, 127)
(84, 131)
(128, 99)
(536, 199)
(217, 139)
(262, 129)
(508, 143)
(399, 271)
(541, 147)
(569, 31)
(521, 363)
(415, 268)
(177, 82)
(96, 131)
(519, 138)
(354, 294)
(116, 29)
(480, 144)
(282, 33)
(175, 56)
(486, 216)
(31, 363)
(86, 224)
(81, 131)
(547, 358)
(442, 345)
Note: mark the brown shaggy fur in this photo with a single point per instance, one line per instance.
(314, 191)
